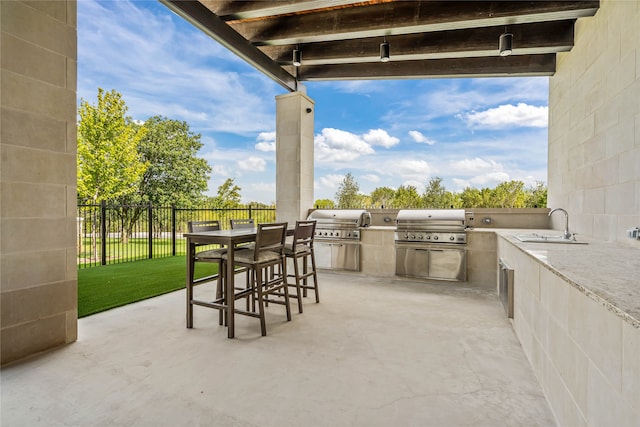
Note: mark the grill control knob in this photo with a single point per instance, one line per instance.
(428, 237)
(435, 237)
(452, 238)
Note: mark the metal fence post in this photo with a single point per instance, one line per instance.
(103, 232)
(173, 229)
(150, 229)
(250, 211)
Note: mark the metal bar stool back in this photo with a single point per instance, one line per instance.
(210, 256)
(301, 249)
(268, 252)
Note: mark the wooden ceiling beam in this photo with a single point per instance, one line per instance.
(233, 10)
(530, 65)
(405, 17)
(546, 37)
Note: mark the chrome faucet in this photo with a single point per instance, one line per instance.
(566, 234)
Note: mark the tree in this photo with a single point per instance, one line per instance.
(175, 173)
(324, 204)
(471, 198)
(347, 195)
(109, 165)
(537, 196)
(509, 195)
(382, 196)
(407, 197)
(228, 195)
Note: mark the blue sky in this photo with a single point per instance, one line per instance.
(469, 132)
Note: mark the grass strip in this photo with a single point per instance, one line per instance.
(106, 287)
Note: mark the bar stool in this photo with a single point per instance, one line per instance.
(268, 252)
(301, 247)
(211, 256)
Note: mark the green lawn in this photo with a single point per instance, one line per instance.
(105, 287)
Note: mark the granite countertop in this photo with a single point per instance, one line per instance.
(607, 272)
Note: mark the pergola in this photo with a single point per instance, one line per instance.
(340, 39)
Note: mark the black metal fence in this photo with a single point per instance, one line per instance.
(111, 234)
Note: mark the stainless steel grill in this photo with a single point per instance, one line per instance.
(339, 224)
(431, 244)
(337, 237)
(432, 226)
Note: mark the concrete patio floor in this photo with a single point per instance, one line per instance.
(374, 352)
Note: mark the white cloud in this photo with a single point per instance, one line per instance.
(371, 177)
(380, 137)
(220, 170)
(335, 145)
(328, 184)
(477, 165)
(409, 169)
(253, 164)
(419, 137)
(266, 141)
(505, 116)
(490, 179)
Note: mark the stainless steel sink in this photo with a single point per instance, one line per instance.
(541, 238)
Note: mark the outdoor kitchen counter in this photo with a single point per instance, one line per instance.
(606, 272)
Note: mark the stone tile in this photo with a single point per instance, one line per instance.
(33, 61)
(38, 302)
(36, 131)
(27, 200)
(32, 337)
(23, 271)
(31, 236)
(37, 166)
(40, 28)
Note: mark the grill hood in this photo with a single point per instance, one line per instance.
(353, 217)
(431, 218)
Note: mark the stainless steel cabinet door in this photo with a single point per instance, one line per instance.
(345, 256)
(412, 262)
(323, 254)
(447, 264)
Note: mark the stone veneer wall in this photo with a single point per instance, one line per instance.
(38, 275)
(594, 127)
(586, 358)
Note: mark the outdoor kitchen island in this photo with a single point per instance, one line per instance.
(576, 314)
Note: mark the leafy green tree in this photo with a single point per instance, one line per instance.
(471, 198)
(537, 196)
(324, 204)
(228, 195)
(407, 197)
(347, 195)
(175, 173)
(109, 165)
(509, 194)
(382, 196)
(436, 196)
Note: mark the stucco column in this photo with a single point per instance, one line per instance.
(294, 156)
